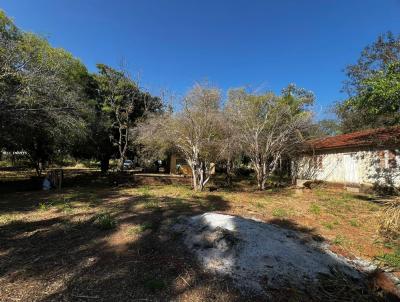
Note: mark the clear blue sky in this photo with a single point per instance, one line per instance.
(173, 43)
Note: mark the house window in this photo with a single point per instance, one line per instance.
(392, 159)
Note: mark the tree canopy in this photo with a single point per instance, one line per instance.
(373, 86)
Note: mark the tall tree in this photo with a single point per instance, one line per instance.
(41, 97)
(373, 87)
(120, 105)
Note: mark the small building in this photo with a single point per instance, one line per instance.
(369, 157)
(178, 165)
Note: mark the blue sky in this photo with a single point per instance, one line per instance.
(173, 43)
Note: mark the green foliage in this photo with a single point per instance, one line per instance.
(50, 106)
(105, 221)
(373, 86)
(44, 206)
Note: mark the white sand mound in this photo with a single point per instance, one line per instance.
(258, 255)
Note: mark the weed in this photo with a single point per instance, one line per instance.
(137, 229)
(151, 204)
(328, 225)
(105, 221)
(391, 259)
(315, 209)
(280, 213)
(44, 206)
(145, 190)
(353, 222)
(339, 240)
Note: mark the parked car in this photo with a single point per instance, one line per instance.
(128, 164)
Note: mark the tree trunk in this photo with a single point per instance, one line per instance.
(104, 164)
(228, 173)
(261, 176)
(121, 163)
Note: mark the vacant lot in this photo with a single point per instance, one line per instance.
(101, 242)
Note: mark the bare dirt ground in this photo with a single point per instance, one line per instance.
(94, 241)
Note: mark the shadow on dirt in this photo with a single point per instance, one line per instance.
(69, 258)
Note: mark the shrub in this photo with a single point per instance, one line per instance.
(105, 221)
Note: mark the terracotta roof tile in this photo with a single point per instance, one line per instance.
(367, 138)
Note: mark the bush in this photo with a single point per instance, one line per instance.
(313, 184)
(385, 190)
(105, 221)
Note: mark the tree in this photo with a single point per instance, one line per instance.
(41, 100)
(373, 87)
(229, 145)
(121, 104)
(269, 126)
(194, 132)
(323, 128)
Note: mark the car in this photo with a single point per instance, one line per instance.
(128, 164)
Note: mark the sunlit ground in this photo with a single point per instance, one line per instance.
(97, 241)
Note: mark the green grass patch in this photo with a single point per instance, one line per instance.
(137, 229)
(328, 225)
(391, 259)
(151, 204)
(354, 223)
(44, 206)
(280, 213)
(339, 240)
(315, 209)
(105, 221)
(144, 190)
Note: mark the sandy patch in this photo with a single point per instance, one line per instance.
(259, 256)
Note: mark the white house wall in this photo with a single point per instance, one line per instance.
(359, 167)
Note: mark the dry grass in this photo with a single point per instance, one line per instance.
(390, 223)
(52, 248)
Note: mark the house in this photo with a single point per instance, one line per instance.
(363, 158)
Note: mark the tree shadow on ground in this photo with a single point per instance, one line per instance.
(67, 257)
